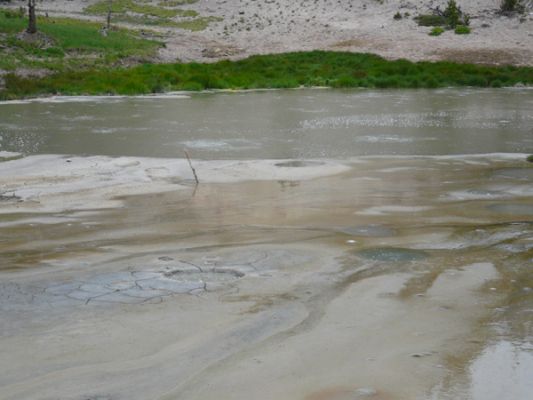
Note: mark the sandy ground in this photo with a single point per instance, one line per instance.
(259, 27)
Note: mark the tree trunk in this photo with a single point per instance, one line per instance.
(110, 6)
(32, 19)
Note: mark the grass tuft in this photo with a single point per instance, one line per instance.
(436, 31)
(462, 30)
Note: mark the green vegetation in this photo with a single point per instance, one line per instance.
(291, 70)
(64, 44)
(397, 16)
(530, 158)
(123, 6)
(453, 15)
(176, 3)
(509, 6)
(462, 30)
(197, 24)
(450, 18)
(136, 12)
(430, 20)
(194, 25)
(436, 31)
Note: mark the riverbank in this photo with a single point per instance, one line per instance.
(317, 68)
(155, 47)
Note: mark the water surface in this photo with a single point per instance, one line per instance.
(276, 124)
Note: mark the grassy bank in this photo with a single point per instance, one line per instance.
(64, 44)
(317, 68)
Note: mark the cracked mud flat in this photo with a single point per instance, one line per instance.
(380, 278)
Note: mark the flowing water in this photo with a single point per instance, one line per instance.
(341, 245)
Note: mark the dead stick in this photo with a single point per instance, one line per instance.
(192, 168)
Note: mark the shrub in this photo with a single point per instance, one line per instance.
(450, 17)
(436, 31)
(462, 30)
(397, 16)
(511, 6)
(530, 158)
(452, 13)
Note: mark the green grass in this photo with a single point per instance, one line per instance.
(133, 12)
(74, 44)
(436, 31)
(197, 24)
(430, 20)
(123, 6)
(176, 3)
(144, 20)
(290, 70)
(462, 30)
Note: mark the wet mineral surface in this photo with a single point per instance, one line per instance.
(381, 278)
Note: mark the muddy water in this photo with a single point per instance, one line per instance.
(288, 124)
(398, 278)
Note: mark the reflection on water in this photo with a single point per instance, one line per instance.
(276, 124)
(503, 371)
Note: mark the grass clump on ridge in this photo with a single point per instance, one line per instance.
(176, 3)
(135, 12)
(196, 24)
(290, 70)
(124, 6)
